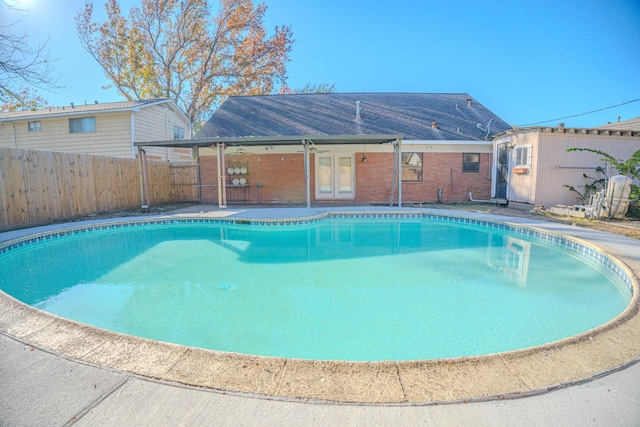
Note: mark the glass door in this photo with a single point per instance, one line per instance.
(502, 171)
(335, 176)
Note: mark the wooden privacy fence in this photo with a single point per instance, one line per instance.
(185, 180)
(38, 187)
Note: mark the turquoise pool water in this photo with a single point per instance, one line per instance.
(357, 289)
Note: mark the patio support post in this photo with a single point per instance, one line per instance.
(223, 169)
(221, 176)
(399, 144)
(395, 171)
(307, 178)
(195, 155)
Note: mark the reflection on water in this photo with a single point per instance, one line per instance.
(510, 256)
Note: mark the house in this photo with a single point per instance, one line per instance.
(534, 169)
(107, 129)
(347, 147)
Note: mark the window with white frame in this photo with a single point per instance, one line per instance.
(82, 125)
(522, 156)
(411, 167)
(34, 126)
(178, 133)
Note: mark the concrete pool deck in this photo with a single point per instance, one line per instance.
(43, 353)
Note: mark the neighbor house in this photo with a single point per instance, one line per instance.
(107, 129)
(356, 147)
(633, 124)
(533, 168)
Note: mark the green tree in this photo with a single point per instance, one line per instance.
(179, 49)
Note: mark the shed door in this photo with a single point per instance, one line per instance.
(335, 176)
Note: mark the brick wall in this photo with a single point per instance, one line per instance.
(374, 178)
(282, 178)
(444, 170)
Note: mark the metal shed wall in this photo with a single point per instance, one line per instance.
(557, 167)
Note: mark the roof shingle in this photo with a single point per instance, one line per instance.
(416, 116)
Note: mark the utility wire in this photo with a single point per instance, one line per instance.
(581, 114)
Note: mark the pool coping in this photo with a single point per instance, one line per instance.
(575, 360)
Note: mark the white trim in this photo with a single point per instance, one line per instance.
(445, 142)
(70, 113)
(81, 110)
(335, 188)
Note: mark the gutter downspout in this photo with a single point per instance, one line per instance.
(145, 175)
(141, 176)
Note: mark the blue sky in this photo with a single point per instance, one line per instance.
(527, 61)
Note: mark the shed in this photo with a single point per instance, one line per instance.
(532, 167)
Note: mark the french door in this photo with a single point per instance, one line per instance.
(335, 176)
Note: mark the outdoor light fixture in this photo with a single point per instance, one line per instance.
(364, 155)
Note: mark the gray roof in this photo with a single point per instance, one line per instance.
(84, 109)
(458, 116)
(633, 124)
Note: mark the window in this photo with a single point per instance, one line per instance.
(470, 162)
(412, 167)
(34, 126)
(178, 132)
(84, 124)
(522, 156)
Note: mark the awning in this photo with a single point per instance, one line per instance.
(273, 140)
(305, 140)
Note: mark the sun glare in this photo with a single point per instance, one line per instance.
(21, 4)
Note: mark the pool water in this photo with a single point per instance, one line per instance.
(358, 290)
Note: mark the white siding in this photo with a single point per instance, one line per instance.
(111, 138)
(113, 135)
(156, 123)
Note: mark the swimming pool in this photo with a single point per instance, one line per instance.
(384, 308)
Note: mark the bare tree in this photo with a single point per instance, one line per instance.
(323, 87)
(23, 68)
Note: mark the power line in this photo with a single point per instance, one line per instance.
(581, 114)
